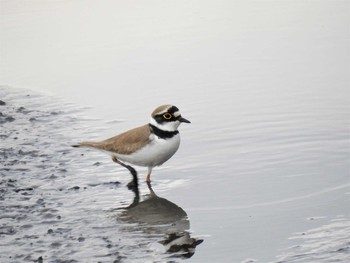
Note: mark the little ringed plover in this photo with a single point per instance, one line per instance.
(149, 145)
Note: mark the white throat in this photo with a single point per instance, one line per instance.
(166, 126)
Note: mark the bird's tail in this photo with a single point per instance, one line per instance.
(86, 144)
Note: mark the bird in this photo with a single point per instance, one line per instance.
(149, 145)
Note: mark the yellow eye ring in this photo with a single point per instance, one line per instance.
(167, 116)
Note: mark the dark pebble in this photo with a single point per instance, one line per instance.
(23, 189)
(7, 230)
(20, 109)
(40, 201)
(48, 216)
(2, 103)
(26, 226)
(56, 244)
(74, 188)
(9, 119)
(343, 249)
(53, 176)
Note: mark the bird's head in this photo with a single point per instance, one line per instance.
(167, 118)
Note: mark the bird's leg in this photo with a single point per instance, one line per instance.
(148, 178)
(151, 190)
(134, 182)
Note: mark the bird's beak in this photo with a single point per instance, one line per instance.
(181, 119)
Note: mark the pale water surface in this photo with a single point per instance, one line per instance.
(262, 172)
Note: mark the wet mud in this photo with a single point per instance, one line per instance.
(57, 206)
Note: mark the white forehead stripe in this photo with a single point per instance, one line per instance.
(177, 114)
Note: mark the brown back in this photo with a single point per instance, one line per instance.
(124, 143)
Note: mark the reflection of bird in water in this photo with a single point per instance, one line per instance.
(159, 215)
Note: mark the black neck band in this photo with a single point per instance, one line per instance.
(163, 134)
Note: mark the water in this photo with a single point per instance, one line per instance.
(262, 173)
(47, 187)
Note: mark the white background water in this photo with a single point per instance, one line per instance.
(265, 84)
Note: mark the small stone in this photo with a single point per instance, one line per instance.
(9, 119)
(2, 103)
(52, 176)
(56, 244)
(20, 109)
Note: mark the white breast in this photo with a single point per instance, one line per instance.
(155, 153)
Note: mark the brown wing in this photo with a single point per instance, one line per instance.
(124, 143)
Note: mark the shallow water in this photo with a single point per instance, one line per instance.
(262, 173)
(64, 204)
(47, 187)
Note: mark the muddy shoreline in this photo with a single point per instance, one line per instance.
(50, 212)
(62, 204)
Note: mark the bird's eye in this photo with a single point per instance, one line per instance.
(167, 116)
